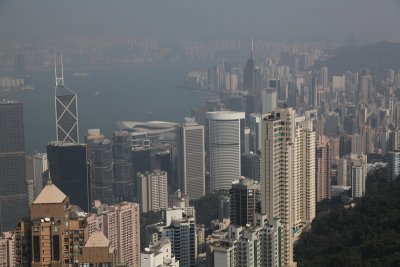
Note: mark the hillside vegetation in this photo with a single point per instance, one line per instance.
(366, 235)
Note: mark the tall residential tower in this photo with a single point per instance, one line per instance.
(288, 173)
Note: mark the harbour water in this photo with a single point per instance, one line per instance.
(106, 95)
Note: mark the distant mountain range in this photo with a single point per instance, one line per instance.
(377, 57)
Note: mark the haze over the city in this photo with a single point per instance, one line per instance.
(366, 20)
(208, 133)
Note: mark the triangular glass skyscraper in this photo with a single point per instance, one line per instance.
(66, 109)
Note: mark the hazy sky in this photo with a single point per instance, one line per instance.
(369, 20)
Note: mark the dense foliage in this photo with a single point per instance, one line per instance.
(145, 220)
(206, 209)
(366, 235)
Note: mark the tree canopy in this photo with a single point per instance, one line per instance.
(365, 235)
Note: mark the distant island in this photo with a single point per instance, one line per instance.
(377, 57)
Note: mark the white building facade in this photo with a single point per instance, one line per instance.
(223, 146)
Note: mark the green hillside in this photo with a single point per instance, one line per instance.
(366, 235)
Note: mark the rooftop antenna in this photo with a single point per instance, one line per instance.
(59, 80)
(55, 67)
(62, 69)
(252, 46)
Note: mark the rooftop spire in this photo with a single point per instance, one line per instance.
(59, 80)
(252, 46)
(55, 67)
(62, 68)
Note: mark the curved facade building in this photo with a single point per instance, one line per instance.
(224, 130)
(150, 127)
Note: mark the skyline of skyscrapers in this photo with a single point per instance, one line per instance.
(289, 148)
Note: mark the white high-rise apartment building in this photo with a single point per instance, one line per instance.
(304, 175)
(223, 146)
(255, 132)
(268, 100)
(288, 173)
(159, 190)
(277, 158)
(191, 161)
(120, 223)
(353, 171)
(152, 190)
(358, 174)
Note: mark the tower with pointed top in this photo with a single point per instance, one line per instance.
(252, 83)
(66, 109)
(54, 233)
